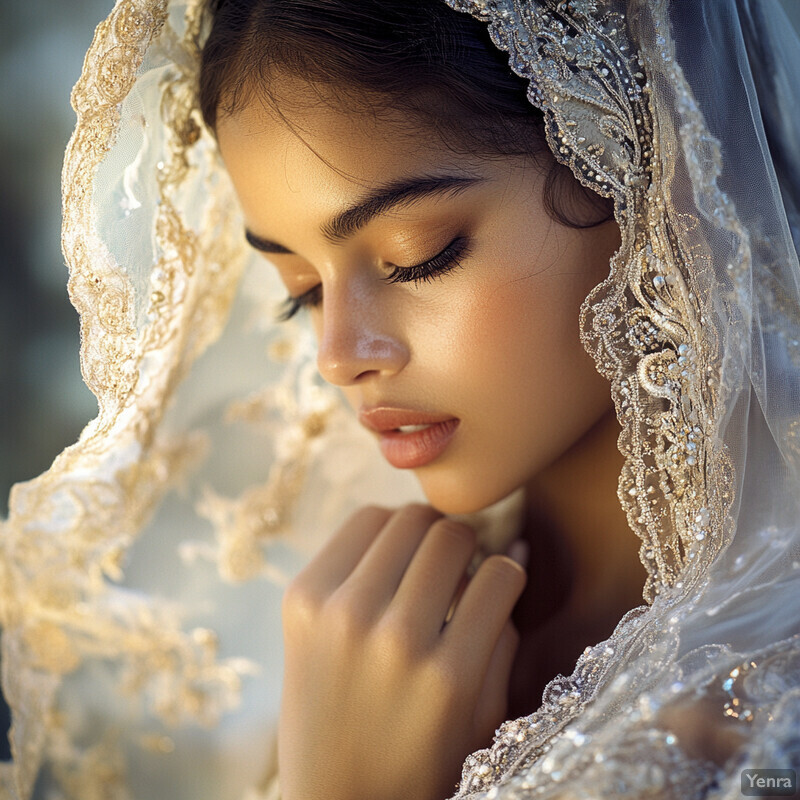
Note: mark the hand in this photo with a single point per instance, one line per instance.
(381, 698)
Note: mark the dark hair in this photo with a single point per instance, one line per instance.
(420, 56)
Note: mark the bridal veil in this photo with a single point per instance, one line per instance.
(142, 572)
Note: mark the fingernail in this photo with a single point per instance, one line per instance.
(519, 551)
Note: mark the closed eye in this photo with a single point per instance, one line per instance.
(435, 267)
(447, 260)
(291, 305)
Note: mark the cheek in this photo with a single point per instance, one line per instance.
(519, 372)
(521, 337)
(519, 316)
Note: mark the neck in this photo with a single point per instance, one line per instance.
(586, 553)
(584, 571)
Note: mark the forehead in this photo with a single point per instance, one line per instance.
(317, 152)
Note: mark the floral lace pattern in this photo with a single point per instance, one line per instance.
(69, 529)
(648, 325)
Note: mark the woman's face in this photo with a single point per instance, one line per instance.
(491, 341)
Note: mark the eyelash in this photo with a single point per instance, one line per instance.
(449, 259)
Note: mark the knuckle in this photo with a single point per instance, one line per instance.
(503, 569)
(421, 511)
(299, 605)
(457, 531)
(373, 514)
(395, 638)
(345, 616)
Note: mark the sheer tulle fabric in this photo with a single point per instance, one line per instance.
(218, 460)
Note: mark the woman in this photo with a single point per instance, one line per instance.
(392, 644)
(433, 350)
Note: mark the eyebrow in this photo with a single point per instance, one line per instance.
(379, 201)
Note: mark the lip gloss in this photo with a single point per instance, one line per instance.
(417, 448)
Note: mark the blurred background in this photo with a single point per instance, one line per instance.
(43, 402)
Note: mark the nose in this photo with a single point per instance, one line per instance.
(355, 338)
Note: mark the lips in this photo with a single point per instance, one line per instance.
(383, 418)
(409, 438)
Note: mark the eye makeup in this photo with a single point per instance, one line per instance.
(443, 262)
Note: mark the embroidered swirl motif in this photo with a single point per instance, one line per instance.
(645, 324)
(649, 325)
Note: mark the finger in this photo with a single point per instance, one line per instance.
(379, 572)
(432, 579)
(519, 550)
(462, 585)
(492, 706)
(337, 559)
(472, 634)
(477, 558)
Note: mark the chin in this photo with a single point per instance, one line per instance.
(455, 495)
